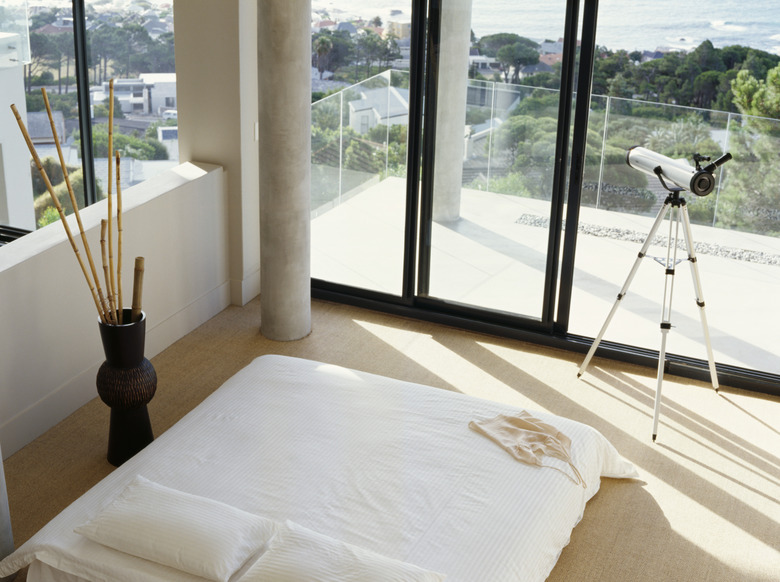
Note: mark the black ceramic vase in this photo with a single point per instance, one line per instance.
(126, 382)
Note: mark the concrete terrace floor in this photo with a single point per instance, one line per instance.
(494, 257)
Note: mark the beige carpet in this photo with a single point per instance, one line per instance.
(706, 507)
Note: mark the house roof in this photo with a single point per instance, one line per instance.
(386, 104)
(551, 58)
(539, 67)
(39, 127)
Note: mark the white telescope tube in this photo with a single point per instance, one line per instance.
(700, 182)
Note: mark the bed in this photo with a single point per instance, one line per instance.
(301, 463)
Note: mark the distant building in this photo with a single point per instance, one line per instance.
(401, 30)
(550, 47)
(59, 26)
(385, 106)
(321, 25)
(483, 65)
(132, 95)
(39, 127)
(347, 27)
(149, 94)
(652, 55)
(551, 58)
(162, 91)
(539, 67)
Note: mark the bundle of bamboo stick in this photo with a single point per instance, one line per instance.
(109, 304)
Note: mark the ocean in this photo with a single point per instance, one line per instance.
(622, 24)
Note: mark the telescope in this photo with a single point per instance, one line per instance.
(697, 180)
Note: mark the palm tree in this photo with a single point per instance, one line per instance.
(322, 46)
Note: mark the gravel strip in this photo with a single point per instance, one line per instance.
(626, 234)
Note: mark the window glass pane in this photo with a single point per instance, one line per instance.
(16, 208)
(360, 110)
(680, 90)
(133, 46)
(496, 130)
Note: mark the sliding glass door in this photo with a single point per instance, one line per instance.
(679, 85)
(360, 119)
(500, 142)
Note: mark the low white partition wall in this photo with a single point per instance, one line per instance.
(50, 347)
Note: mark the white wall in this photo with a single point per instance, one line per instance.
(49, 342)
(217, 111)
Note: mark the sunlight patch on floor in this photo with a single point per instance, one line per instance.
(447, 365)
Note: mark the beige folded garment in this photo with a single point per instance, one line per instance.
(528, 439)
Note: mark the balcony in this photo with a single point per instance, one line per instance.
(494, 255)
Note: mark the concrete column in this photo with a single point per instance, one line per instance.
(284, 92)
(451, 109)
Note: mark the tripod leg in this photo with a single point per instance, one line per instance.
(659, 379)
(648, 241)
(699, 296)
(666, 311)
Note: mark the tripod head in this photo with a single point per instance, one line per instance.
(698, 180)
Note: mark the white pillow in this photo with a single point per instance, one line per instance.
(193, 534)
(296, 554)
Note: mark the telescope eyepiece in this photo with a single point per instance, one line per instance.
(717, 163)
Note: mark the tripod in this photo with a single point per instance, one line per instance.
(679, 214)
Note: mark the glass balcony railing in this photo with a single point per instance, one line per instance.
(359, 141)
(359, 138)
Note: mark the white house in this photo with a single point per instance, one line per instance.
(162, 91)
(386, 106)
(132, 94)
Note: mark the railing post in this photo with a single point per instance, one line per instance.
(603, 151)
(387, 133)
(341, 143)
(490, 135)
(720, 182)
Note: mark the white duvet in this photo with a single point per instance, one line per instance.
(384, 465)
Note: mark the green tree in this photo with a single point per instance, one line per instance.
(516, 56)
(371, 46)
(706, 88)
(528, 145)
(135, 43)
(364, 156)
(129, 146)
(42, 48)
(490, 44)
(160, 56)
(105, 45)
(40, 19)
(683, 138)
(342, 51)
(322, 46)
(749, 198)
(67, 51)
(759, 97)
(607, 67)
